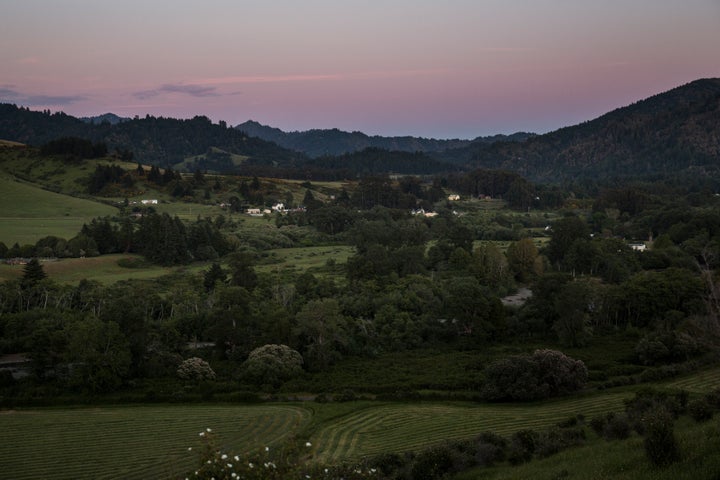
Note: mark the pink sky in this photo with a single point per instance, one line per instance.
(453, 68)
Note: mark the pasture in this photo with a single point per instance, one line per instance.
(104, 269)
(151, 441)
(29, 213)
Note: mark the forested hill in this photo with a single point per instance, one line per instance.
(672, 132)
(324, 142)
(152, 140)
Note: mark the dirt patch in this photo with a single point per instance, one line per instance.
(517, 299)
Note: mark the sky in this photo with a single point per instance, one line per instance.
(440, 68)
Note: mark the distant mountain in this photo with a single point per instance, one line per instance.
(317, 143)
(670, 133)
(675, 131)
(110, 118)
(152, 140)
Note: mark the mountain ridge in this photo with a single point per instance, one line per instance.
(661, 134)
(333, 142)
(664, 134)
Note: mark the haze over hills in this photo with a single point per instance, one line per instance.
(323, 142)
(674, 131)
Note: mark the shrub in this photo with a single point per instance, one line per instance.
(545, 373)
(700, 410)
(522, 446)
(195, 369)
(660, 444)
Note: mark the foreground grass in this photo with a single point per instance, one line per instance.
(621, 460)
(138, 442)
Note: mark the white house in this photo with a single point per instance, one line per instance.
(149, 202)
(453, 197)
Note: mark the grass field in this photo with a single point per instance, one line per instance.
(29, 213)
(301, 259)
(139, 442)
(620, 460)
(402, 427)
(104, 269)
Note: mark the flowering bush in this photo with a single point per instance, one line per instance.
(195, 369)
(287, 463)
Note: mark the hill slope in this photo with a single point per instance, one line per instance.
(667, 133)
(317, 142)
(152, 140)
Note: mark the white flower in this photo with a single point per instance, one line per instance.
(251, 465)
(308, 444)
(202, 434)
(237, 459)
(267, 449)
(224, 456)
(233, 475)
(208, 430)
(189, 449)
(229, 465)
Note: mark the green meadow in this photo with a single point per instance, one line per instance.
(28, 213)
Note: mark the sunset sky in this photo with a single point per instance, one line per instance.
(441, 68)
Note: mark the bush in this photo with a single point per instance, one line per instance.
(612, 426)
(522, 446)
(544, 374)
(700, 410)
(272, 365)
(195, 369)
(660, 444)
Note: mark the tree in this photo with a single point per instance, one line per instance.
(564, 232)
(571, 305)
(522, 258)
(99, 354)
(272, 365)
(195, 369)
(213, 275)
(320, 331)
(242, 273)
(32, 273)
(544, 374)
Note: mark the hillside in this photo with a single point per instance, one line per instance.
(674, 132)
(323, 142)
(151, 140)
(671, 132)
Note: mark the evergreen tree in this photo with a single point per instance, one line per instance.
(213, 275)
(32, 273)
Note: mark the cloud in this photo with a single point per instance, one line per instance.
(316, 77)
(8, 93)
(184, 89)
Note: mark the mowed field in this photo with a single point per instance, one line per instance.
(136, 442)
(151, 441)
(28, 213)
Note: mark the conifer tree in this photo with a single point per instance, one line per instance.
(32, 273)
